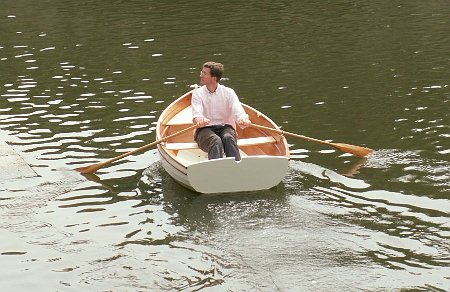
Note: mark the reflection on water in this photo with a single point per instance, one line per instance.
(84, 82)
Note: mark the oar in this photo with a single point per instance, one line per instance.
(355, 150)
(94, 167)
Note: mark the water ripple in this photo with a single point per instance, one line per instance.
(357, 74)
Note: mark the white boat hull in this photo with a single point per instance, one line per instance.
(252, 173)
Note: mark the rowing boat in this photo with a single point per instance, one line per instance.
(265, 154)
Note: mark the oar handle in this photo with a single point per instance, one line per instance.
(94, 167)
(150, 144)
(281, 132)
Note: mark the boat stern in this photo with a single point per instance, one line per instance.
(225, 175)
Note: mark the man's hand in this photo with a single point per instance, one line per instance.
(245, 122)
(201, 122)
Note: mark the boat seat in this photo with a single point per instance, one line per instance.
(240, 142)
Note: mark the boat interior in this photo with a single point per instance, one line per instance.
(251, 141)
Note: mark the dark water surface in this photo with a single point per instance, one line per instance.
(83, 81)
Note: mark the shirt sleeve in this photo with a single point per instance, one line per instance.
(197, 106)
(236, 107)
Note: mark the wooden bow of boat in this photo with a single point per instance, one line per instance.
(265, 154)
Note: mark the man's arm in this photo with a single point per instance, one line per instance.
(197, 111)
(239, 113)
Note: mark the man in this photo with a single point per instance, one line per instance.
(216, 109)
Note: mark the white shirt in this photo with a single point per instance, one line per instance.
(220, 107)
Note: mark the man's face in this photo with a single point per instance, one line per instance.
(205, 76)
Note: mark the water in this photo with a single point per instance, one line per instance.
(82, 82)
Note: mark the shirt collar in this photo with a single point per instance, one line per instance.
(213, 92)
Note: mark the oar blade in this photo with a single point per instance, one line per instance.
(355, 150)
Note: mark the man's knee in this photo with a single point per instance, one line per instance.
(214, 141)
(228, 139)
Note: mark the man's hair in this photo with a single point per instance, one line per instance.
(216, 69)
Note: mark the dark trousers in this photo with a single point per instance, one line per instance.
(216, 140)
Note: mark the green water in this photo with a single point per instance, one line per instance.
(83, 81)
